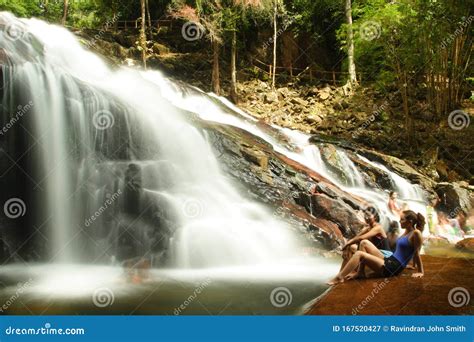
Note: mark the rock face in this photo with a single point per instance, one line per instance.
(454, 198)
(466, 244)
(310, 202)
(400, 167)
(403, 295)
(337, 211)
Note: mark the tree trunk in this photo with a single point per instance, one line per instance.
(148, 15)
(45, 6)
(350, 45)
(275, 10)
(233, 69)
(143, 34)
(216, 88)
(65, 10)
(115, 16)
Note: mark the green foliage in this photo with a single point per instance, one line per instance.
(22, 8)
(397, 43)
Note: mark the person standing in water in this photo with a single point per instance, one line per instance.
(392, 204)
(408, 248)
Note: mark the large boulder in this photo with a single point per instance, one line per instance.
(466, 244)
(400, 167)
(454, 198)
(337, 211)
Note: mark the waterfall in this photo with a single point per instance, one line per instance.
(125, 175)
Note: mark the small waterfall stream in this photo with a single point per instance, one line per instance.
(296, 146)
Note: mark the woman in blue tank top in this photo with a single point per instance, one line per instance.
(407, 248)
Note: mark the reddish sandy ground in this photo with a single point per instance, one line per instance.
(404, 295)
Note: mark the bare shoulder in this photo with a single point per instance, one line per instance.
(417, 236)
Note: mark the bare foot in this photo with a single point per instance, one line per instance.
(336, 280)
(355, 275)
(351, 275)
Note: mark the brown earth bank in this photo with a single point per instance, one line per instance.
(404, 295)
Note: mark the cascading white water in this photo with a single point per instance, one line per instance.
(297, 147)
(215, 226)
(101, 125)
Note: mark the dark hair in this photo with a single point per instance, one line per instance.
(393, 227)
(373, 211)
(417, 220)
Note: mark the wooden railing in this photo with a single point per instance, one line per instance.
(135, 24)
(313, 72)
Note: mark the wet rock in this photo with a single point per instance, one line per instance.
(332, 159)
(285, 185)
(373, 176)
(400, 167)
(425, 296)
(256, 157)
(466, 244)
(337, 211)
(453, 198)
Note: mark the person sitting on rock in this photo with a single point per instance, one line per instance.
(374, 233)
(392, 235)
(408, 248)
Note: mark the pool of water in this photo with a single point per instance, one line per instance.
(103, 290)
